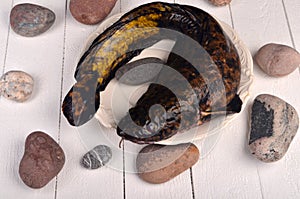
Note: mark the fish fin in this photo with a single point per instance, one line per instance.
(235, 106)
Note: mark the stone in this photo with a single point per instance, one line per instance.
(274, 124)
(139, 71)
(277, 60)
(91, 11)
(16, 85)
(97, 157)
(158, 163)
(220, 2)
(30, 20)
(43, 159)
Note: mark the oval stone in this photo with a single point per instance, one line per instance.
(158, 163)
(91, 11)
(42, 161)
(139, 71)
(220, 2)
(16, 85)
(97, 157)
(30, 20)
(277, 60)
(274, 123)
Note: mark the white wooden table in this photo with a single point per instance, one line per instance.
(228, 171)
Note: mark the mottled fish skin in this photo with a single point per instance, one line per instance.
(135, 31)
(214, 76)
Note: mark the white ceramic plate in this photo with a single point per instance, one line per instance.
(118, 98)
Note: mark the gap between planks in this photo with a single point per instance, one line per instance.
(7, 41)
(61, 88)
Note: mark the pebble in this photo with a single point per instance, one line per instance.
(220, 2)
(91, 11)
(277, 60)
(158, 163)
(274, 123)
(139, 71)
(30, 20)
(42, 161)
(16, 85)
(97, 157)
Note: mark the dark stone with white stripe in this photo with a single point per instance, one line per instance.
(97, 157)
(274, 124)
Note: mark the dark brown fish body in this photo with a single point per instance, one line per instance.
(209, 63)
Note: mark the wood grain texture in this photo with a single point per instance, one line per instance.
(227, 171)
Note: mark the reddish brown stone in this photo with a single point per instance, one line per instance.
(91, 11)
(42, 161)
(158, 164)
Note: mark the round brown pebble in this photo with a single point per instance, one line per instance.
(220, 2)
(91, 11)
(277, 60)
(16, 85)
(30, 20)
(158, 163)
(42, 160)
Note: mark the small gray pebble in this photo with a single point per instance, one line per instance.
(97, 157)
(139, 71)
(274, 124)
(30, 20)
(277, 60)
(16, 85)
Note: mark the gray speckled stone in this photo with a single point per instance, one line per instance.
(16, 85)
(97, 157)
(139, 71)
(274, 123)
(30, 20)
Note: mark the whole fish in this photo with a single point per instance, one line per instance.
(203, 55)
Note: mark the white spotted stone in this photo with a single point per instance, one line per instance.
(16, 85)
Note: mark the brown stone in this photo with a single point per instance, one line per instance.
(220, 2)
(277, 60)
(42, 161)
(158, 163)
(91, 11)
(30, 20)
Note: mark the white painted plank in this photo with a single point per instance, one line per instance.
(41, 57)
(4, 23)
(260, 22)
(76, 181)
(292, 8)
